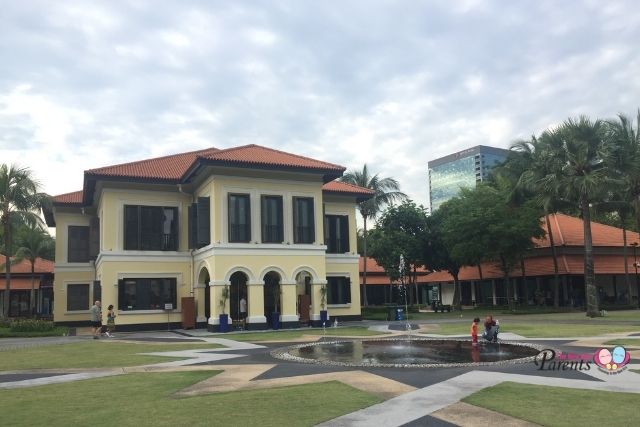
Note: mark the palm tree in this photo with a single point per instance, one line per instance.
(537, 159)
(386, 191)
(34, 243)
(625, 142)
(579, 173)
(19, 198)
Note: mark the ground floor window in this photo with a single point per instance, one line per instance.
(338, 290)
(78, 297)
(19, 303)
(146, 293)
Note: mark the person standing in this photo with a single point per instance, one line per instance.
(474, 331)
(111, 321)
(243, 308)
(96, 319)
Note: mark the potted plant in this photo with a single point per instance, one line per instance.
(224, 317)
(323, 304)
(275, 316)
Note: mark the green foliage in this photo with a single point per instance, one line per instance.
(480, 225)
(224, 297)
(31, 325)
(400, 231)
(20, 200)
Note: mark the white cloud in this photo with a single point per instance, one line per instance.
(87, 85)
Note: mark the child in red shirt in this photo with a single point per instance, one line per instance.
(474, 331)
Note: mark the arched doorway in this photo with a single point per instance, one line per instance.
(204, 278)
(238, 291)
(303, 296)
(272, 294)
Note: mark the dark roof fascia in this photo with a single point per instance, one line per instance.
(327, 174)
(359, 196)
(90, 183)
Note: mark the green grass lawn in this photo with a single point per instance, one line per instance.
(145, 399)
(557, 406)
(289, 334)
(89, 354)
(543, 330)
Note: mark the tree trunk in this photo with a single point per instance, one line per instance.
(525, 288)
(554, 255)
(7, 257)
(364, 270)
(479, 287)
(505, 271)
(415, 285)
(626, 260)
(589, 279)
(32, 295)
(456, 293)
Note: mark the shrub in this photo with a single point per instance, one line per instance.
(31, 325)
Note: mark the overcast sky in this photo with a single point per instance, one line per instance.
(392, 84)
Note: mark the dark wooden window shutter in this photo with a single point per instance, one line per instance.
(193, 226)
(94, 237)
(203, 221)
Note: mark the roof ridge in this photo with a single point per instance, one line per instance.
(152, 158)
(66, 194)
(351, 185)
(277, 151)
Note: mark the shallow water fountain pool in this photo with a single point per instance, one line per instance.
(407, 352)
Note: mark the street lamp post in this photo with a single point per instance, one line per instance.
(635, 265)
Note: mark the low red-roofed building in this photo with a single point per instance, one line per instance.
(535, 286)
(21, 281)
(161, 239)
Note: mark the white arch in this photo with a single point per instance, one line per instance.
(244, 270)
(203, 265)
(283, 276)
(314, 275)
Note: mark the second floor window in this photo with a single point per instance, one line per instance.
(78, 244)
(150, 228)
(303, 223)
(336, 233)
(271, 213)
(239, 218)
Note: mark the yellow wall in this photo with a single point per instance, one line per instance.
(61, 280)
(220, 257)
(223, 185)
(110, 272)
(111, 212)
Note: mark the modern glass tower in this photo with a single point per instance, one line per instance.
(448, 174)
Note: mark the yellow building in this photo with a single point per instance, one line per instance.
(195, 235)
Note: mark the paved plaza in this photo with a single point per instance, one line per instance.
(412, 396)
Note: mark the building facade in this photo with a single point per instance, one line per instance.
(22, 280)
(448, 174)
(209, 229)
(533, 282)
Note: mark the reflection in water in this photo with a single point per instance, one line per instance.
(411, 352)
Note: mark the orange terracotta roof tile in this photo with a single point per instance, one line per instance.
(568, 231)
(343, 187)
(21, 283)
(24, 266)
(258, 155)
(68, 198)
(167, 168)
